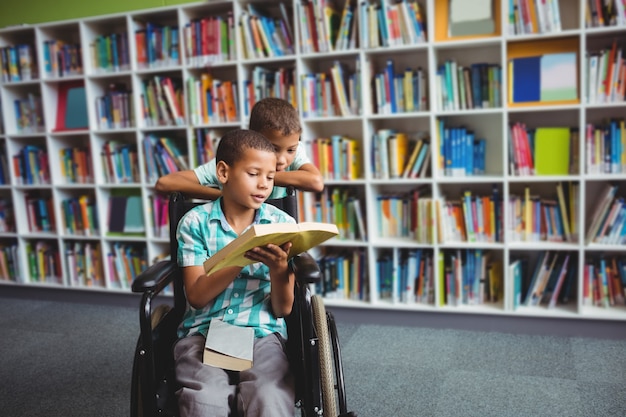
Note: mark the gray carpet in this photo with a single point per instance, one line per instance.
(69, 359)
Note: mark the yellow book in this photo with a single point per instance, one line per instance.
(412, 158)
(303, 236)
(552, 150)
(564, 211)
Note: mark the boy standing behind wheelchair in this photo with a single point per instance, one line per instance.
(256, 296)
(277, 120)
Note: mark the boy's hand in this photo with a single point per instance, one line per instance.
(274, 256)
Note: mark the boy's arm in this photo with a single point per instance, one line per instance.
(306, 178)
(201, 289)
(187, 183)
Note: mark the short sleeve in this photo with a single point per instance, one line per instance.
(300, 159)
(207, 174)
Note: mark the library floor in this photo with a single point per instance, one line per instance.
(74, 358)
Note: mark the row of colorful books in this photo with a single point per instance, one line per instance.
(157, 46)
(605, 147)
(606, 13)
(29, 114)
(543, 150)
(337, 157)
(76, 166)
(407, 277)
(44, 262)
(604, 281)
(79, 215)
(477, 86)
(115, 108)
(462, 153)
(345, 276)
(264, 35)
(39, 213)
(109, 53)
(332, 93)
(30, 166)
(162, 157)
(607, 75)
(553, 219)
(211, 100)
(84, 264)
(338, 206)
(120, 163)
(269, 82)
(162, 101)
(159, 216)
(399, 92)
(62, 59)
(551, 281)
(608, 220)
(470, 277)
(534, 16)
(9, 263)
(205, 144)
(18, 63)
(384, 23)
(409, 215)
(210, 40)
(398, 154)
(472, 218)
(125, 262)
(325, 27)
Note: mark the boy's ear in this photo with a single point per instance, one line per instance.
(221, 170)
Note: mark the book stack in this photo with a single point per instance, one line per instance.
(211, 100)
(385, 24)
(269, 82)
(606, 71)
(18, 63)
(606, 13)
(162, 156)
(76, 166)
(125, 262)
(337, 157)
(109, 53)
(332, 93)
(471, 219)
(327, 28)
(120, 163)
(84, 265)
(461, 153)
(399, 92)
(605, 146)
(265, 36)
(543, 150)
(44, 263)
(79, 216)
(115, 108)
(476, 86)
(210, 40)
(30, 166)
(39, 213)
(162, 102)
(470, 277)
(341, 207)
(62, 59)
(157, 46)
(410, 215)
(604, 281)
(534, 16)
(552, 281)
(344, 275)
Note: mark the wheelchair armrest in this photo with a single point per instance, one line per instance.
(306, 269)
(155, 278)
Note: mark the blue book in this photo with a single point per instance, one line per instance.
(76, 109)
(526, 79)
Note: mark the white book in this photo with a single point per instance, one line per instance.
(228, 346)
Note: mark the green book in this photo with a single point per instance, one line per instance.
(134, 216)
(552, 150)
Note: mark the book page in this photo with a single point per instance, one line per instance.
(230, 340)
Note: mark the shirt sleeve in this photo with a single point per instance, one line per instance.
(207, 174)
(190, 235)
(300, 159)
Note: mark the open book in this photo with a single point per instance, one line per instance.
(303, 236)
(228, 346)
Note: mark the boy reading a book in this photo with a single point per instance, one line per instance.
(256, 296)
(278, 120)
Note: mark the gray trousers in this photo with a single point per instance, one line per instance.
(265, 390)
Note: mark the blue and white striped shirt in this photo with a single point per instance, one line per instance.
(201, 233)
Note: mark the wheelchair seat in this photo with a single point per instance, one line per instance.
(313, 345)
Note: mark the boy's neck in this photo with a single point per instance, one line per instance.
(238, 217)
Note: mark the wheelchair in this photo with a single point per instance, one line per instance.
(313, 345)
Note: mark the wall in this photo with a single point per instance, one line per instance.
(38, 11)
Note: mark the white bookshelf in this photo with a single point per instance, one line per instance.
(492, 124)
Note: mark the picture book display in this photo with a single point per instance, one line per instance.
(303, 236)
(228, 346)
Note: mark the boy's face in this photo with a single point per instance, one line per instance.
(285, 147)
(249, 181)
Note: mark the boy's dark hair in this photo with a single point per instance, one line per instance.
(275, 114)
(233, 144)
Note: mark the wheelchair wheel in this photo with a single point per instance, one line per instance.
(137, 408)
(327, 371)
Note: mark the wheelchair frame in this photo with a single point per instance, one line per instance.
(153, 381)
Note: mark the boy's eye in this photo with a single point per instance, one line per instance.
(270, 178)
(291, 150)
(252, 174)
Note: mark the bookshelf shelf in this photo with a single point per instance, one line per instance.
(37, 86)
